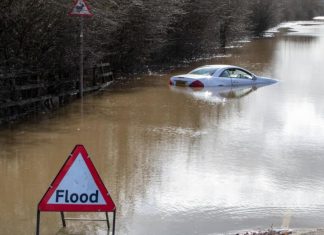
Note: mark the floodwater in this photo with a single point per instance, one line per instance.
(179, 161)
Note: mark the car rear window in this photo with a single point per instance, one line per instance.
(203, 71)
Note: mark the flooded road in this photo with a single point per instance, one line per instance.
(178, 161)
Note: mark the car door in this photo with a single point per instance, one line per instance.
(240, 77)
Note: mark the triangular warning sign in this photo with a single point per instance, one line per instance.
(77, 187)
(80, 8)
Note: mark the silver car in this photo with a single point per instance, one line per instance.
(219, 75)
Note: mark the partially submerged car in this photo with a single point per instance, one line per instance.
(219, 75)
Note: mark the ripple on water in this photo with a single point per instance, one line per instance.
(177, 131)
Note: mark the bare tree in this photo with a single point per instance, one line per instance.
(39, 35)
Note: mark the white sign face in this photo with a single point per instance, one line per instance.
(77, 187)
(81, 8)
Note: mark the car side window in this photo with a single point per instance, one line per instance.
(225, 74)
(236, 73)
(243, 74)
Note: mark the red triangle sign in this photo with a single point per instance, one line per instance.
(77, 187)
(80, 8)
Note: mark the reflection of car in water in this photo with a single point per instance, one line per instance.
(219, 75)
(218, 94)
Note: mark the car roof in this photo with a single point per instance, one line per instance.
(222, 67)
(218, 66)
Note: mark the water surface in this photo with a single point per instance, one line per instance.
(178, 161)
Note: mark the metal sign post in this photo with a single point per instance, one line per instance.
(81, 57)
(81, 9)
(79, 219)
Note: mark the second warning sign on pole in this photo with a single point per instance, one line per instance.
(80, 8)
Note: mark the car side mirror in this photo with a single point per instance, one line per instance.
(254, 77)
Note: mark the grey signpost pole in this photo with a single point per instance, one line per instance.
(81, 57)
(81, 9)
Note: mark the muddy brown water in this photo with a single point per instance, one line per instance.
(178, 161)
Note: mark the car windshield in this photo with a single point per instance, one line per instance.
(204, 71)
